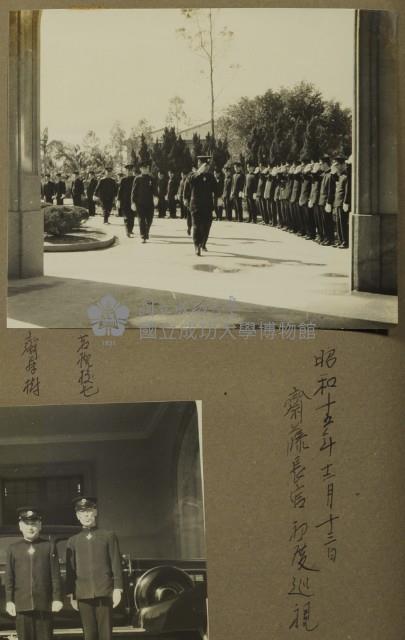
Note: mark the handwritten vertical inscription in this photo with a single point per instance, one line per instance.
(325, 395)
(30, 354)
(308, 434)
(84, 363)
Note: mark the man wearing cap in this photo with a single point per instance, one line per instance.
(48, 189)
(124, 199)
(60, 189)
(238, 183)
(144, 190)
(77, 189)
(106, 190)
(260, 186)
(94, 579)
(249, 192)
(32, 581)
(341, 216)
(199, 193)
(161, 194)
(226, 194)
(219, 203)
(91, 187)
(172, 186)
(314, 200)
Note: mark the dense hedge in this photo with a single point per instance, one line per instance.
(61, 219)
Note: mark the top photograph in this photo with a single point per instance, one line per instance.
(143, 142)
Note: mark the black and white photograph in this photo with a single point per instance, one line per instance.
(143, 142)
(102, 522)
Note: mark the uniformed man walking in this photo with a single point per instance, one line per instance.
(94, 579)
(91, 187)
(144, 190)
(124, 199)
(106, 190)
(77, 189)
(48, 189)
(199, 193)
(32, 581)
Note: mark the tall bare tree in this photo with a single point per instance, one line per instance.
(206, 39)
(176, 115)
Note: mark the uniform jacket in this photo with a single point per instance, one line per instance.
(77, 187)
(162, 187)
(93, 564)
(32, 579)
(296, 188)
(91, 187)
(48, 189)
(315, 188)
(340, 190)
(227, 186)
(348, 192)
(106, 189)
(250, 185)
(172, 186)
(143, 189)
(326, 189)
(238, 183)
(305, 189)
(288, 185)
(261, 182)
(267, 187)
(220, 180)
(200, 190)
(124, 191)
(60, 188)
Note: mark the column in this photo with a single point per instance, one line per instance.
(25, 219)
(375, 205)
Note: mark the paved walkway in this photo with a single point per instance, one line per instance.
(253, 272)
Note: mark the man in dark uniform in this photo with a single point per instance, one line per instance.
(340, 215)
(60, 189)
(199, 193)
(77, 189)
(106, 190)
(326, 197)
(294, 197)
(180, 194)
(161, 194)
(32, 581)
(306, 215)
(172, 193)
(218, 204)
(144, 190)
(238, 183)
(91, 187)
(120, 212)
(249, 192)
(124, 199)
(94, 579)
(261, 183)
(226, 194)
(48, 189)
(313, 202)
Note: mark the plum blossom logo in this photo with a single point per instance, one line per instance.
(108, 317)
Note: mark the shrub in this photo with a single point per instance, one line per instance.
(61, 219)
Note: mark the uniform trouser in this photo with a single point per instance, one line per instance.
(96, 617)
(34, 625)
(59, 201)
(251, 208)
(311, 222)
(201, 227)
(342, 226)
(77, 201)
(228, 207)
(145, 217)
(218, 211)
(129, 218)
(329, 226)
(189, 219)
(161, 206)
(283, 221)
(237, 203)
(91, 206)
(266, 211)
(183, 209)
(273, 208)
(320, 231)
(106, 206)
(262, 206)
(49, 199)
(172, 207)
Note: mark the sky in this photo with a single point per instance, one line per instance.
(102, 66)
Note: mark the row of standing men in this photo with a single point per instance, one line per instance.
(310, 199)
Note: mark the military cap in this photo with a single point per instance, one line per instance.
(339, 158)
(145, 163)
(205, 158)
(325, 158)
(47, 175)
(120, 173)
(237, 163)
(59, 174)
(28, 514)
(108, 168)
(81, 503)
(129, 166)
(76, 172)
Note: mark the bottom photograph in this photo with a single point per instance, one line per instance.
(102, 522)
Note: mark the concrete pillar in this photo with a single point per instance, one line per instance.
(375, 204)
(25, 221)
